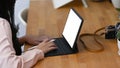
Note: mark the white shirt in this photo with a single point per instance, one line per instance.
(8, 59)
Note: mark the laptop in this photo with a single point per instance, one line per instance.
(60, 3)
(67, 44)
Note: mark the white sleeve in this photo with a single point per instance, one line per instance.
(8, 59)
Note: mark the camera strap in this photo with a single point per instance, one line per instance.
(95, 35)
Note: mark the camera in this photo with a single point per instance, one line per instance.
(111, 30)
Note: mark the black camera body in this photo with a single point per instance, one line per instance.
(111, 31)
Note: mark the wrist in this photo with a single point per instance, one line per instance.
(39, 51)
(22, 40)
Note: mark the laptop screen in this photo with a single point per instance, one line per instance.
(72, 27)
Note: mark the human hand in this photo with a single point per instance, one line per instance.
(46, 46)
(35, 40)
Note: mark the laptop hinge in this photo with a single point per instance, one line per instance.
(75, 48)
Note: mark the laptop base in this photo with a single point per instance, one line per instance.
(63, 48)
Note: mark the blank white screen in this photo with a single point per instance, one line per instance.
(71, 28)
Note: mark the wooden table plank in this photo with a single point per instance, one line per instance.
(44, 19)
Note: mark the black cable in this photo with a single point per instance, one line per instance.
(95, 38)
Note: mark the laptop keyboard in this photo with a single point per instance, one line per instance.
(63, 48)
(60, 44)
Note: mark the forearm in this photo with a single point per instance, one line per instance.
(34, 56)
(22, 40)
(27, 60)
(28, 39)
(32, 40)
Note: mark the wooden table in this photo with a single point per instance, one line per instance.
(44, 19)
